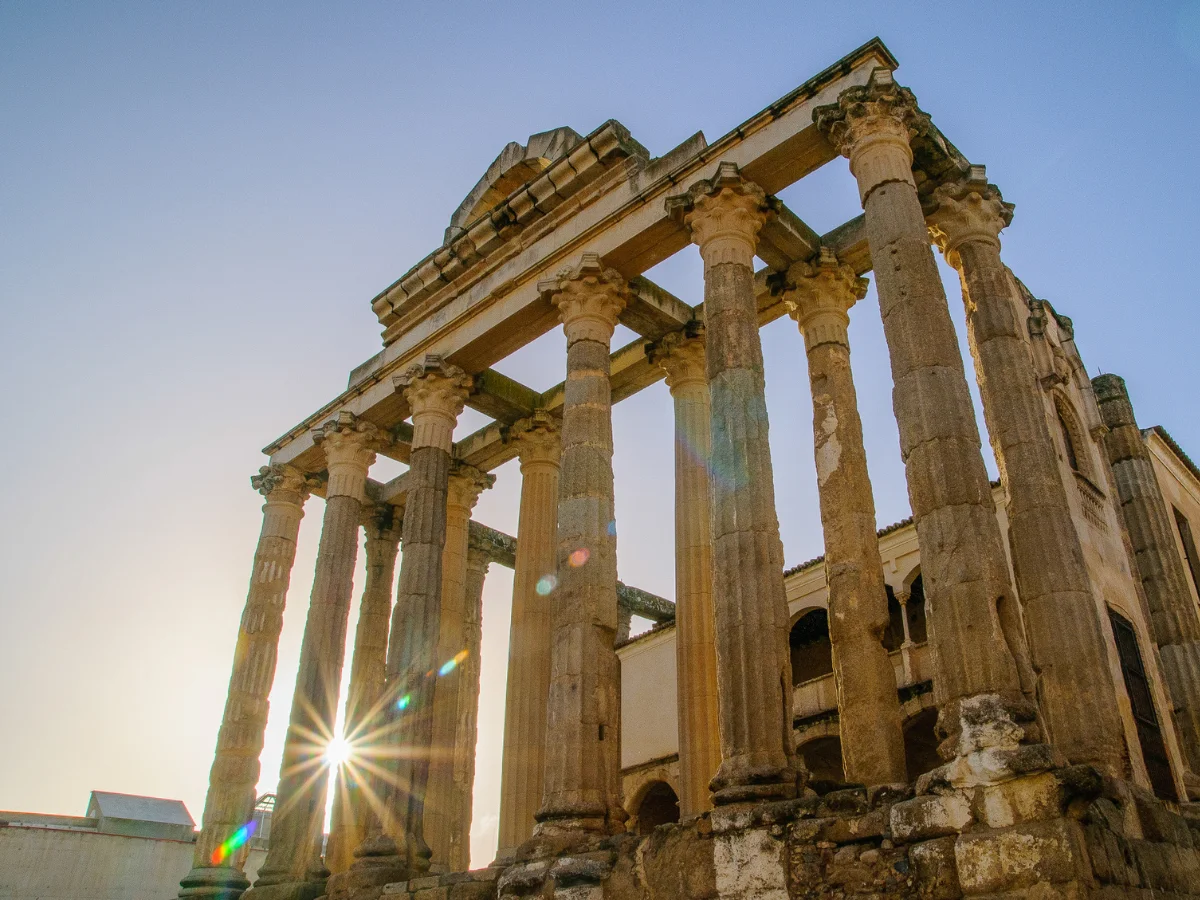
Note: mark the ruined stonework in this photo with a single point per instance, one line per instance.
(998, 697)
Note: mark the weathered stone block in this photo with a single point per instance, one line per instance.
(432, 893)
(1020, 857)
(1032, 798)
(936, 869)
(750, 866)
(931, 816)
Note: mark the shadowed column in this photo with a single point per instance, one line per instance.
(217, 870)
(681, 356)
(1075, 689)
(355, 784)
(820, 297)
(453, 695)
(1173, 615)
(539, 448)
(753, 671)
(294, 868)
(395, 849)
(582, 782)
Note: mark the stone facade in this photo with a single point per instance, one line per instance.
(997, 698)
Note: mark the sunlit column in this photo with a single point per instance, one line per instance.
(724, 216)
(539, 448)
(355, 785)
(297, 824)
(820, 297)
(217, 866)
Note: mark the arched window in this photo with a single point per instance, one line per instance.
(917, 629)
(1074, 438)
(921, 743)
(823, 758)
(1068, 442)
(893, 638)
(812, 653)
(659, 806)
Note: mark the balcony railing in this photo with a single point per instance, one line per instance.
(911, 664)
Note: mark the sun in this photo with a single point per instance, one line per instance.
(338, 752)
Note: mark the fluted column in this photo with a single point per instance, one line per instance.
(681, 356)
(981, 670)
(395, 848)
(453, 694)
(582, 779)
(819, 298)
(294, 868)
(539, 448)
(217, 870)
(355, 785)
(751, 617)
(1068, 650)
(1173, 615)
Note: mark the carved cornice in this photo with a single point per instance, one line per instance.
(724, 214)
(436, 392)
(680, 355)
(538, 439)
(819, 295)
(282, 481)
(589, 297)
(873, 126)
(968, 209)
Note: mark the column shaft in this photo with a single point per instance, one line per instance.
(751, 617)
(868, 706)
(1068, 650)
(217, 871)
(582, 779)
(530, 634)
(355, 785)
(1173, 614)
(974, 625)
(695, 633)
(297, 824)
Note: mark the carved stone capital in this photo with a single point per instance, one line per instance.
(382, 522)
(819, 296)
(287, 483)
(436, 392)
(872, 125)
(466, 484)
(680, 355)
(724, 214)
(479, 552)
(349, 444)
(538, 439)
(589, 297)
(968, 210)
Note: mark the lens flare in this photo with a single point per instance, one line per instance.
(612, 527)
(403, 702)
(233, 842)
(579, 557)
(546, 584)
(451, 664)
(338, 752)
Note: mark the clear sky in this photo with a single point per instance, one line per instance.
(198, 201)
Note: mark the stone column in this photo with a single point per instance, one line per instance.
(681, 356)
(395, 848)
(751, 617)
(1068, 648)
(582, 782)
(819, 298)
(981, 671)
(355, 784)
(902, 597)
(539, 448)
(453, 696)
(294, 868)
(1173, 615)
(217, 872)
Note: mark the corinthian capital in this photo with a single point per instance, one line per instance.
(382, 522)
(589, 297)
(968, 210)
(285, 482)
(680, 355)
(538, 439)
(819, 296)
(724, 214)
(466, 484)
(349, 443)
(436, 392)
(872, 125)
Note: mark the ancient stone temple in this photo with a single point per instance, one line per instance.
(999, 697)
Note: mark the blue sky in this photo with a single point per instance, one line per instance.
(198, 201)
